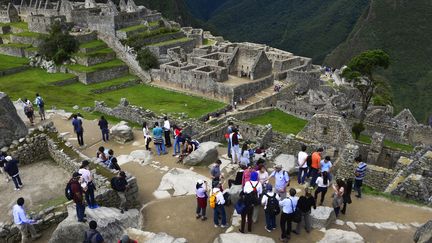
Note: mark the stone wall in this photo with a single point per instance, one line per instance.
(12, 127)
(304, 80)
(34, 41)
(249, 89)
(285, 93)
(101, 75)
(13, 70)
(295, 110)
(95, 59)
(116, 87)
(12, 51)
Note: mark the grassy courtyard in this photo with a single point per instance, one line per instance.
(27, 83)
(280, 121)
(8, 62)
(387, 143)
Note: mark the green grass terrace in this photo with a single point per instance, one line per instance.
(280, 121)
(387, 143)
(9, 62)
(101, 66)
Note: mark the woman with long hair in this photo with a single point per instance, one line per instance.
(244, 155)
(323, 183)
(339, 189)
(147, 136)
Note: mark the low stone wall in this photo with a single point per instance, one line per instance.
(286, 92)
(101, 75)
(126, 34)
(187, 46)
(294, 110)
(13, 70)
(127, 113)
(65, 82)
(93, 60)
(116, 87)
(249, 89)
(83, 38)
(12, 51)
(34, 41)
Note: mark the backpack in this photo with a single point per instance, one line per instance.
(272, 205)
(213, 200)
(195, 143)
(41, 102)
(252, 197)
(309, 160)
(68, 191)
(88, 238)
(114, 183)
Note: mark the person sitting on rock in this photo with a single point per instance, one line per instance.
(92, 235)
(112, 161)
(189, 148)
(24, 224)
(101, 155)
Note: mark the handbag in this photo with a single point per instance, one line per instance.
(240, 207)
(296, 213)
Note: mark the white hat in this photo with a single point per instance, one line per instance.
(200, 181)
(8, 158)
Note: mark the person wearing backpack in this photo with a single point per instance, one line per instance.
(120, 185)
(281, 180)
(29, 111)
(41, 105)
(305, 204)
(289, 206)
(78, 129)
(270, 201)
(250, 195)
(217, 202)
(112, 161)
(92, 235)
(89, 188)
(77, 195)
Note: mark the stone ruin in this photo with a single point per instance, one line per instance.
(11, 126)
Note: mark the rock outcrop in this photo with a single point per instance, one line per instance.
(181, 181)
(341, 236)
(288, 163)
(11, 126)
(150, 237)
(206, 153)
(322, 217)
(111, 224)
(238, 237)
(424, 233)
(122, 133)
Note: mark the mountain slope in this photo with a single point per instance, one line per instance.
(402, 29)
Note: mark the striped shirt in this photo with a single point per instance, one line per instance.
(360, 172)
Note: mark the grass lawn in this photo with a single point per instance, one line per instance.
(371, 191)
(208, 42)
(30, 34)
(16, 45)
(154, 23)
(135, 27)
(387, 143)
(31, 81)
(8, 62)
(93, 44)
(169, 42)
(19, 25)
(100, 66)
(280, 121)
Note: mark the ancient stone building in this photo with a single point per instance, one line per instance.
(11, 125)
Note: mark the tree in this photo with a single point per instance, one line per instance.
(146, 59)
(360, 71)
(59, 45)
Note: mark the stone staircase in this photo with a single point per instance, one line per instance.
(263, 94)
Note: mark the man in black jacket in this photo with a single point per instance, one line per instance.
(11, 167)
(120, 185)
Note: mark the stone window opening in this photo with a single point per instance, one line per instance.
(257, 132)
(325, 130)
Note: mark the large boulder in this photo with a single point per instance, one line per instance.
(122, 132)
(11, 126)
(322, 217)
(287, 161)
(234, 192)
(238, 237)
(341, 236)
(111, 224)
(141, 156)
(424, 233)
(181, 181)
(206, 153)
(150, 237)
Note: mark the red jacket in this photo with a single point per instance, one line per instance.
(76, 190)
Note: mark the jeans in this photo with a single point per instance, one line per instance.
(167, 138)
(302, 175)
(256, 210)
(160, 148)
(25, 229)
(314, 174)
(270, 221)
(80, 138)
(177, 146)
(357, 186)
(248, 212)
(229, 149)
(219, 210)
(147, 142)
(306, 220)
(337, 210)
(80, 208)
(17, 181)
(323, 191)
(123, 200)
(285, 223)
(89, 195)
(105, 135)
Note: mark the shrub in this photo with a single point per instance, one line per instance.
(146, 59)
(357, 128)
(59, 45)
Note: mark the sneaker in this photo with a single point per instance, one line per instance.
(216, 226)
(16, 189)
(20, 186)
(177, 156)
(95, 206)
(265, 227)
(241, 231)
(198, 216)
(204, 218)
(82, 221)
(358, 196)
(121, 211)
(126, 209)
(224, 226)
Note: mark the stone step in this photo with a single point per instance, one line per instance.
(92, 46)
(96, 57)
(130, 31)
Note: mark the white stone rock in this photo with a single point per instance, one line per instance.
(351, 225)
(236, 219)
(341, 236)
(150, 237)
(122, 133)
(389, 225)
(234, 192)
(238, 237)
(142, 156)
(322, 217)
(206, 153)
(161, 194)
(136, 143)
(123, 159)
(75, 107)
(287, 161)
(340, 222)
(182, 181)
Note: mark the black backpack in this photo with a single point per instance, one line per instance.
(251, 198)
(89, 237)
(68, 191)
(272, 205)
(309, 160)
(114, 183)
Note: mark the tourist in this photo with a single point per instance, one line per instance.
(219, 210)
(326, 165)
(167, 131)
(347, 195)
(288, 205)
(189, 147)
(126, 239)
(270, 201)
(112, 161)
(254, 185)
(360, 174)
(101, 155)
(302, 163)
(244, 155)
(215, 173)
(263, 175)
(227, 136)
(247, 174)
(77, 192)
(281, 181)
(250, 197)
(315, 166)
(238, 178)
(177, 140)
(24, 224)
(11, 168)
(103, 125)
(235, 147)
(78, 129)
(305, 204)
(338, 196)
(158, 140)
(3, 161)
(147, 136)
(29, 111)
(120, 185)
(92, 235)
(201, 195)
(41, 105)
(323, 183)
(90, 187)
